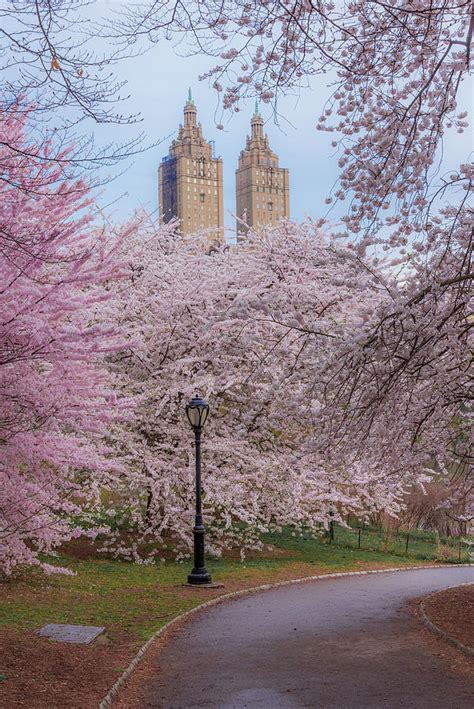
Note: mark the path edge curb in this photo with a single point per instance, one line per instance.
(436, 630)
(113, 691)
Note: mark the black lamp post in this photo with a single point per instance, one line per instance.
(197, 411)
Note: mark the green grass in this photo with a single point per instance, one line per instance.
(139, 599)
(414, 544)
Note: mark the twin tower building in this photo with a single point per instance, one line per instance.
(191, 181)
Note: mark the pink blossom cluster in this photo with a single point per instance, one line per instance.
(56, 398)
(249, 327)
(321, 370)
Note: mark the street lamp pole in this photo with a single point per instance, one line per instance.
(197, 411)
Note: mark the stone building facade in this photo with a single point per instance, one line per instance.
(262, 187)
(190, 180)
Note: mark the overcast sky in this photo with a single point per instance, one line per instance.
(158, 82)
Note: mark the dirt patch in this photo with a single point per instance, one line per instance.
(83, 548)
(453, 612)
(265, 553)
(43, 674)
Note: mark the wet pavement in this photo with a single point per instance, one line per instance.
(334, 643)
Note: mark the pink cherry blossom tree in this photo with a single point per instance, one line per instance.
(56, 399)
(396, 74)
(257, 328)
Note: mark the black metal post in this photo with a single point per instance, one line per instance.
(331, 526)
(331, 531)
(199, 574)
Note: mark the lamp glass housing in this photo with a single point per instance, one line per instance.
(197, 411)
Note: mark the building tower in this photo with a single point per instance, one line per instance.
(190, 180)
(262, 187)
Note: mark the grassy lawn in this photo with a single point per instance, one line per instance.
(416, 544)
(140, 599)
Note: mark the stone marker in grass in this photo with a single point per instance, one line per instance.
(63, 633)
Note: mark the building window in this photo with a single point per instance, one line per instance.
(202, 196)
(258, 188)
(270, 206)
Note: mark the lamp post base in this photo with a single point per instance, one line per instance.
(204, 586)
(199, 576)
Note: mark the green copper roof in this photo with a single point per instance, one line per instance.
(257, 109)
(190, 96)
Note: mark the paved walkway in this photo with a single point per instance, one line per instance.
(330, 644)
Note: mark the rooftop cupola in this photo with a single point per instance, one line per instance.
(257, 124)
(190, 111)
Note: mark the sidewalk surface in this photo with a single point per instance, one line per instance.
(336, 643)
